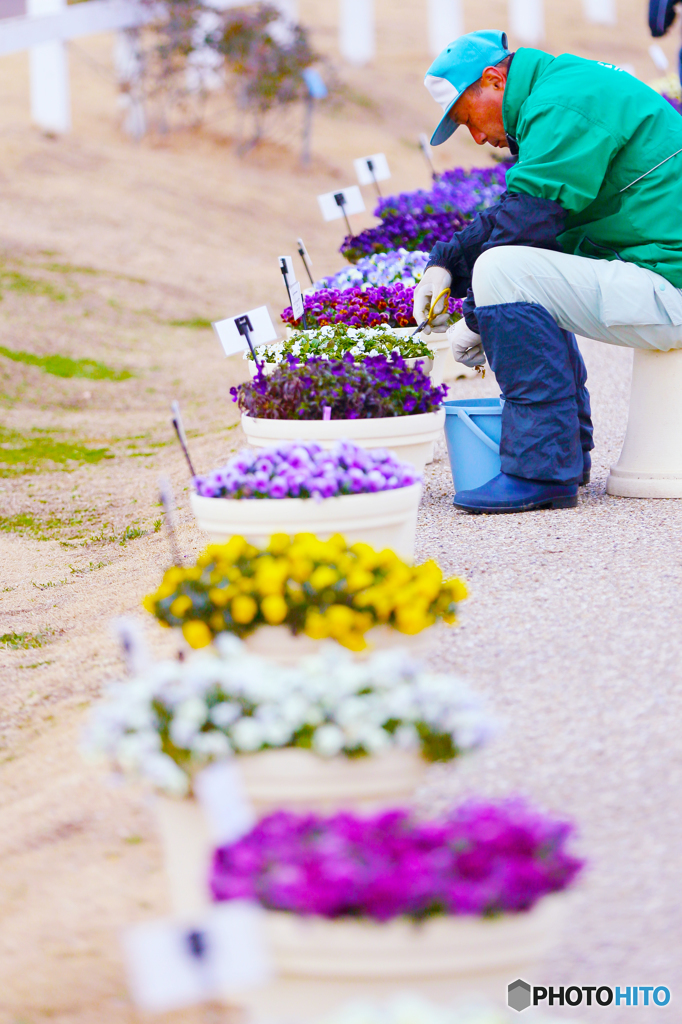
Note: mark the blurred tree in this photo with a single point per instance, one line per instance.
(267, 58)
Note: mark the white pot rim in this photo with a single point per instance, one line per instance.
(380, 426)
(351, 502)
(402, 949)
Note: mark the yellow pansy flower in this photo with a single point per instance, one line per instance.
(243, 609)
(274, 609)
(180, 605)
(196, 633)
(322, 577)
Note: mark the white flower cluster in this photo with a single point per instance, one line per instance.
(171, 720)
(313, 341)
(382, 268)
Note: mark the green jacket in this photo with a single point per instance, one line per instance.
(586, 132)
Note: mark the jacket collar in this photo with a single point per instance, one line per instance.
(526, 68)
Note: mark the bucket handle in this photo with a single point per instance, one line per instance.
(477, 431)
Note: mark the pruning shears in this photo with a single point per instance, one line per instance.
(445, 294)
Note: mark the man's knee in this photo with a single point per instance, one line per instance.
(500, 275)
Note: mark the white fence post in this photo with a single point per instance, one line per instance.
(49, 69)
(129, 67)
(527, 20)
(356, 30)
(446, 22)
(601, 12)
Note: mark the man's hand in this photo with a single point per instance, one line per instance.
(434, 281)
(467, 347)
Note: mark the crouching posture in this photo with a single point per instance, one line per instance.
(586, 240)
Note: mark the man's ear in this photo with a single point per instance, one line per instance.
(494, 78)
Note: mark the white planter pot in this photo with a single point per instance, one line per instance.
(439, 346)
(411, 438)
(321, 963)
(445, 366)
(385, 519)
(300, 780)
(282, 646)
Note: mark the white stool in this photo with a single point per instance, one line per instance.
(650, 464)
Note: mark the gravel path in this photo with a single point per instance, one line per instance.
(572, 632)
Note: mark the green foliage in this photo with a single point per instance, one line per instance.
(12, 280)
(24, 522)
(436, 746)
(23, 641)
(65, 366)
(129, 533)
(28, 453)
(196, 322)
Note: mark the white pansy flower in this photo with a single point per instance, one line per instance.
(328, 740)
(211, 745)
(247, 735)
(226, 698)
(225, 713)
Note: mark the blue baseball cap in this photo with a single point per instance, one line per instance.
(460, 65)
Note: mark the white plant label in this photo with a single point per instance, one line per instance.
(232, 341)
(377, 172)
(172, 964)
(290, 272)
(350, 199)
(220, 791)
(296, 300)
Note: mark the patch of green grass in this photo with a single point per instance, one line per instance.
(16, 282)
(36, 664)
(23, 641)
(65, 366)
(197, 322)
(69, 268)
(88, 568)
(28, 453)
(132, 840)
(25, 522)
(131, 532)
(74, 268)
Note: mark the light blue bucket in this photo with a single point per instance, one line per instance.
(473, 427)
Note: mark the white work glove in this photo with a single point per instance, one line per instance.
(433, 282)
(467, 347)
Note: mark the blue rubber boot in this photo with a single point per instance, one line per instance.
(540, 372)
(505, 493)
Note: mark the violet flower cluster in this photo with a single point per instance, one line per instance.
(306, 470)
(673, 102)
(364, 307)
(481, 859)
(375, 387)
(382, 268)
(419, 219)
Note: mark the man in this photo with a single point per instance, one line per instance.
(661, 17)
(586, 239)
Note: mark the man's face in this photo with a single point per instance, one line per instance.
(481, 111)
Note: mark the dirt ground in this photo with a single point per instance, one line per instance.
(120, 253)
